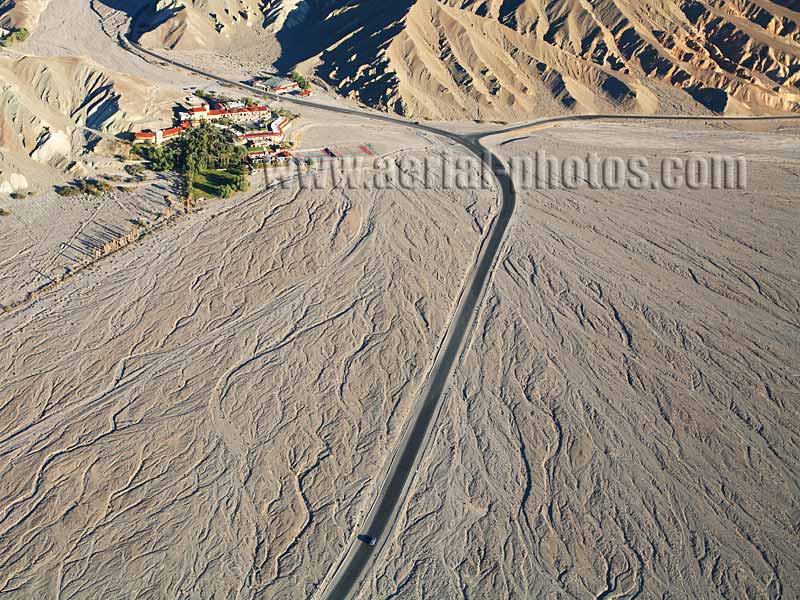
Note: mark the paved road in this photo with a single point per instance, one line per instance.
(383, 514)
(381, 518)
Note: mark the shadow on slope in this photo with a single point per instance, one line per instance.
(350, 61)
(713, 99)
(142, 13)
(5, 8)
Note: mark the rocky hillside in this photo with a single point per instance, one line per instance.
(510, 59)
(21, 13)
(52, 108)
(178, 24)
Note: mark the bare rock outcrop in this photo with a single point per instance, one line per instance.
(44, 103)
(492, 59)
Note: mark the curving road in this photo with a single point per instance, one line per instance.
(345, 579)
(381, 517)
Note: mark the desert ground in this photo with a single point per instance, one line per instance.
(207, 412)
(509, 60)
(34, 251)
(625, 422)
(204, 414)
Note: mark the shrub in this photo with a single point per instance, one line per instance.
(92, 187)
(300, 80)
(4, 212)
(67, 191)
(135, 169)
(282, 112)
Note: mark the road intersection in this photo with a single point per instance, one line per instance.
(345, 578)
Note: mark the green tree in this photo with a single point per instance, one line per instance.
(191, 171)
(203, 147)
(300, 80)
(17, 35)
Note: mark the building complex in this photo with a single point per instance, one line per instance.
(236, 112)
(277, 85)
(232, 111)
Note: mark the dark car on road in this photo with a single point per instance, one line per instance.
(367, 539)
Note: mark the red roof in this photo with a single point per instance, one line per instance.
(236, 111)
(252, 109)
(198, 109)
(261, 134)
(149, 135)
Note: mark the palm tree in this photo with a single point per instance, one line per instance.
(190, 173)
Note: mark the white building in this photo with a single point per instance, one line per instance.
(243, 114)
(279, 85)
(275, 133)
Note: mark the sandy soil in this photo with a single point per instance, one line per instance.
(203, 414)
(71, 83)
(625, 423)
(73, 28)
(34, 252)
(495, 59)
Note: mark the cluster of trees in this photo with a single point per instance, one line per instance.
(241, 184)
(300, 80)
(17, 35)
(197, 149)
(197, 154)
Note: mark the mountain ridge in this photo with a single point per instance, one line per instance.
(507, 59)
